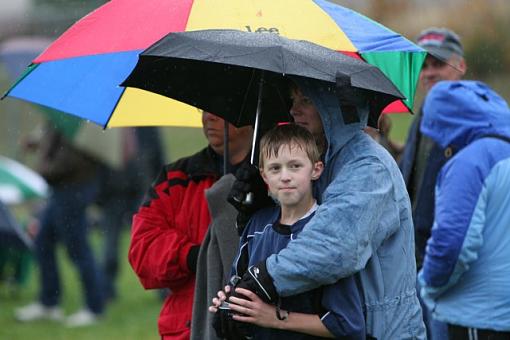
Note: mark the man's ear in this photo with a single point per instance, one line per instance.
(462, 66)
(318, 167)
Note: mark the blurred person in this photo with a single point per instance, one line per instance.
(382, 136)
(122, 191)
(422, 158)
(73, 177)
(170, 225)
(289, 162)
(362, 226)
(466, 270)
(444, 61)
(15, 254)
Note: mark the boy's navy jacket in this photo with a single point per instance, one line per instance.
(466, 271)
(338, 305)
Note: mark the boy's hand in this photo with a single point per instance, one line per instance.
(217, 301)
(252, 309)
(223, 323)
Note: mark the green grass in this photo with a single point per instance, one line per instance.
(132, 316)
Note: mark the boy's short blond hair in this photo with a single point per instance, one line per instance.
(288, 134)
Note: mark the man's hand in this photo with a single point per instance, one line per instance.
(249, 180)
(192, 258)
(250, 184)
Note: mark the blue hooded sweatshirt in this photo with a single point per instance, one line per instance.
(466, 272)
(363, 226)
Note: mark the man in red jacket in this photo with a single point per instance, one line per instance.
(170, 225)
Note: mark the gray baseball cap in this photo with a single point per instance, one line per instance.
(442, 43)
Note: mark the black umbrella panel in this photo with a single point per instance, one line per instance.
(220, 71)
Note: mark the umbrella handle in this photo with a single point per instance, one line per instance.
(257, 118)
(249, 197)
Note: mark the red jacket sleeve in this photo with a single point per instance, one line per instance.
(162, 234)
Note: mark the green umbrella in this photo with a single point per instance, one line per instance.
(19, 183)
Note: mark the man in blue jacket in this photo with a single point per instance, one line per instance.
(466, 268)
(363, 225)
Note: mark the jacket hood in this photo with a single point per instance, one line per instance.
(458, 112)
(326, 100)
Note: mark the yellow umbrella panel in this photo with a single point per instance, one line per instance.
(143, 108)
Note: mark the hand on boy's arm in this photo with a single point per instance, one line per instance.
(258, 280)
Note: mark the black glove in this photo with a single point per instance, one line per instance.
(258, 280)
(242, 220)
(228, 328)
(248, 180)
(192, 258)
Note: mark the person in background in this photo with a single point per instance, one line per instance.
(466, 271)
(122, 191)
(170, 225)
(382, 136)
(74, 178)
(422, 158)
(15, 252)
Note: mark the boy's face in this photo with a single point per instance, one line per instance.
(289, 175)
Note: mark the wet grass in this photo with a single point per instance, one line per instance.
(133, 315)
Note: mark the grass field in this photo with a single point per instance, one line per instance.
(132, 316)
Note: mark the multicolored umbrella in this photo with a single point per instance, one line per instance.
(80, 72)
(19, 183)
(105, 146)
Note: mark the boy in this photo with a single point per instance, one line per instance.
(289, 162)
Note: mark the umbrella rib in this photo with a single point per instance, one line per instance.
(114, 108)
(215, 57)
(314, 67)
